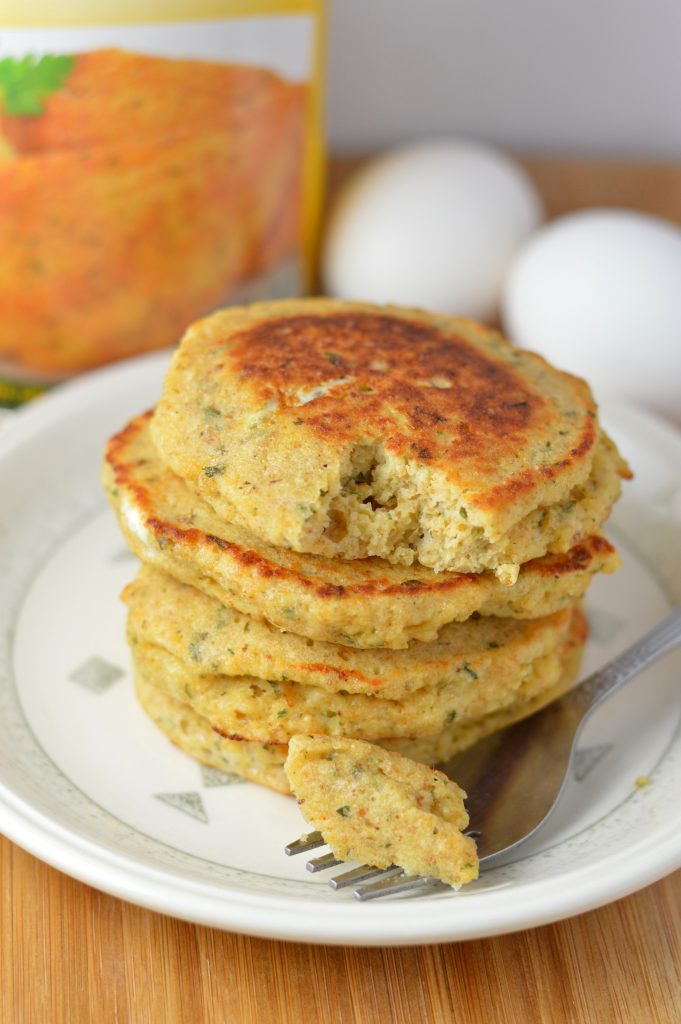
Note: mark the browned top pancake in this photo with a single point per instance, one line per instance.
(350, 430)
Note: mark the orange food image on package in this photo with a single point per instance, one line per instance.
(137, 198)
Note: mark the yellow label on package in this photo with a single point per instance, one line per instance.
(157, 160)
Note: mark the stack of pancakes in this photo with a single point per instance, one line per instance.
(357, 522)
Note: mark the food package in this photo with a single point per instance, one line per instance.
(157, 160)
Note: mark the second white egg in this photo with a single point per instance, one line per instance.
(599, 293)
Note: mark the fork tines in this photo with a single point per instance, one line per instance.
(371, 882)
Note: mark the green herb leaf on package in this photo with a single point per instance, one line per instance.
(27, 82)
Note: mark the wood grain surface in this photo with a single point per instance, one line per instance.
(567, 183)
(71, 954)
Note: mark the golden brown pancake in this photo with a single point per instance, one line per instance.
(264, 762)
(208, 638)
(270, 710)
(351, 430)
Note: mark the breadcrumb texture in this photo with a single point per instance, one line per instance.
(536, 692)
(365, 603)
(381, 808)
(257, 762)
(264, 762)
(483, 655)
(241, 707)
(349, 430)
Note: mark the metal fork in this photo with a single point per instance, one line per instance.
(515, 777)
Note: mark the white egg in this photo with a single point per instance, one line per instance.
(432, 225)
(599, 293)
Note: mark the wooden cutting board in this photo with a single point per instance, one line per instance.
(71, 954)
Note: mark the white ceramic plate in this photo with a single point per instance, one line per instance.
(88, 784)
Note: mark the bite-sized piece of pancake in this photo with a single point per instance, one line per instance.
(483, 654)
(264, 762)
(258, 762)
(381, 808)
(350, 430)
(243, 707)
(360, 603)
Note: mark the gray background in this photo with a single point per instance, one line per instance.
(598, 77)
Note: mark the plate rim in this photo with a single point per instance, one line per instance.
(285, 917)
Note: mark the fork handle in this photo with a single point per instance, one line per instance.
(595, 688)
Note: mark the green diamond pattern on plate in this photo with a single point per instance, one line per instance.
(96, 674)
(187, 803)
(587, 759)
(214, 777)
